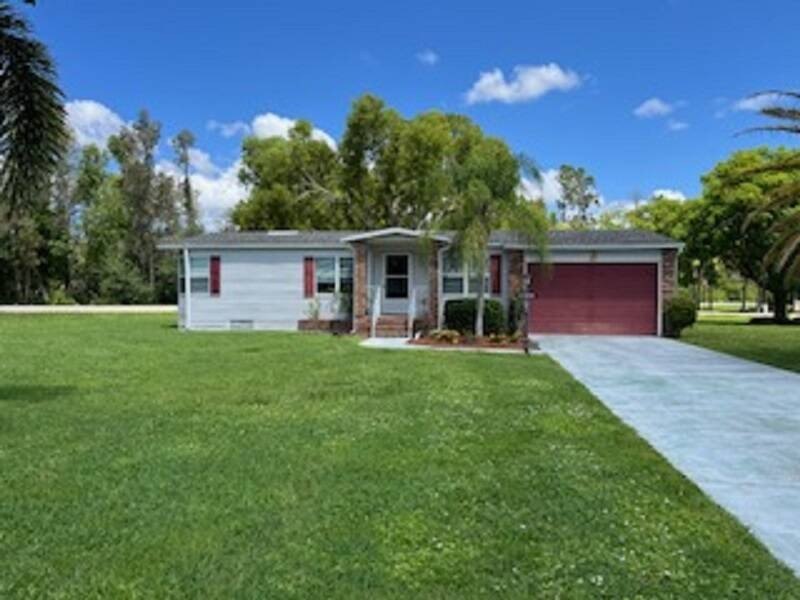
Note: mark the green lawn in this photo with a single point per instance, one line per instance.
(138, 461)
(777, 345)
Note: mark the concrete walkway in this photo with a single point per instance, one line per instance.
(730, 425)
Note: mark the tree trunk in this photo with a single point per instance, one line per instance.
(779, 298)
(744, 295)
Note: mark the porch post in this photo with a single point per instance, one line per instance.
(516, 278)
(360, 291)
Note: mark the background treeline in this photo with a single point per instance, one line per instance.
(90, 235)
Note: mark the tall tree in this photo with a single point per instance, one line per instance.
(148, 197)
(485, 189)
(785, 253)
(182, 144)
(292, 183)
(739, 218)
(33, 137)
(578, 195)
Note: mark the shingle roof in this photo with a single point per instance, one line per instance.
(314, 239)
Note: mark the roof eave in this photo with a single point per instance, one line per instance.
(393, 231)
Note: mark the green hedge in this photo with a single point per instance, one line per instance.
(680, 312)
(460, 315)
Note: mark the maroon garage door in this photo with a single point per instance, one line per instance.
(594, 298)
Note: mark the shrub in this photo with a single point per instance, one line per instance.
(448, 336)
(60, 296)
(460, 315)
(680, 312)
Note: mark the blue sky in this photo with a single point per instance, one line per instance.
(560, 81)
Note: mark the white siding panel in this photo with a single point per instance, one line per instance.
(264, 287)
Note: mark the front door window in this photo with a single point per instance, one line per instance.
(397, 276)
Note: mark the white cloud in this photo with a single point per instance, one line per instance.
(218, 189)
(272, 125)
(528, 83)
(201, 162)
(92, 122)
(669, 194)
(428, 57)
(653, 107)
(675, 125)
(548, 190)
(228, 130)
(756, 103)
(265, 125)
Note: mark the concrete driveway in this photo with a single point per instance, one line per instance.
(730, 425)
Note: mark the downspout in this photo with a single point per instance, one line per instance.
(187, 289)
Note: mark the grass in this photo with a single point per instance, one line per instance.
(137, 461)
(777, 345)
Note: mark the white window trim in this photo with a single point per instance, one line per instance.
(337, 275)
(464, 275)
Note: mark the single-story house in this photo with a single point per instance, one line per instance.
(382, 282)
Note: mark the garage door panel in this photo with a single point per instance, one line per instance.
(594, 298)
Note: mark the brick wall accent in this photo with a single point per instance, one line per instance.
(361, 321)
(433, 287)
(669, 273)
(516, 272)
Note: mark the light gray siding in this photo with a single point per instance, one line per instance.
(262, 288)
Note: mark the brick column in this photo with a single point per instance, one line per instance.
(433, 287)
(360, 291)
(669, 273)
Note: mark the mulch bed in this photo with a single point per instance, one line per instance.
(474, 343)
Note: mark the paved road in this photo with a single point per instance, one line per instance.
(81, 309)
(730, 425)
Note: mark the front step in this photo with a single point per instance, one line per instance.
(391, 326)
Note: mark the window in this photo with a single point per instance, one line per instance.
(397, 276)
(199, 285)
(453, 275)
(473, 283)
(326, 275)
(199, 270)
(346, 275)
(456, 279)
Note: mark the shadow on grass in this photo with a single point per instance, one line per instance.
(34, 394)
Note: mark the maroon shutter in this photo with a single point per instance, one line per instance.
(494, 273)
(215, 284)
(308, 277)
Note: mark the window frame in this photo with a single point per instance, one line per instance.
(387, 276)
(464, 274)
(337, 275)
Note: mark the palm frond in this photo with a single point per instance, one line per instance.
(793, 129)
(33, 131)
(782, 112)
(793, 271)
(782, 198)
(785, 247)
(780, 93)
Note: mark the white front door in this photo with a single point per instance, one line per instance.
(396, 283)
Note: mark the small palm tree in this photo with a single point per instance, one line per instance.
(486, 193)
(785, 253)
(33, 131)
